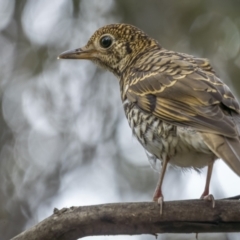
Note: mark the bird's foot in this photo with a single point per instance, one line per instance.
(160, 201)
(209, 197)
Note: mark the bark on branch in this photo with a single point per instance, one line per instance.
(137, 218)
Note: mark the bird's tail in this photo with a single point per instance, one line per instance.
(225, 148)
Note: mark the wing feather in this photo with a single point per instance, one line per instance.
(188, 95)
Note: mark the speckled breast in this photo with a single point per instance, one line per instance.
(183, 147)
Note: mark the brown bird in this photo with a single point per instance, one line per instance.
(177, 107)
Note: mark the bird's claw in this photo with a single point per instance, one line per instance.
(160, 202)
(209, 197)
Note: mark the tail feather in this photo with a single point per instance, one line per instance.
(225, 148)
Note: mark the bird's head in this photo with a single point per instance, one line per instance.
(113, 47)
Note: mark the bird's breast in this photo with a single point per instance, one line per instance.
(183, 146)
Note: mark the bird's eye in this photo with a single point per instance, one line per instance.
(106, 41)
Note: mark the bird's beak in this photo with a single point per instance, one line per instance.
(79, 53)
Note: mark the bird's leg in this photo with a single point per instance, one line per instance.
(206, 195)
(158, 196)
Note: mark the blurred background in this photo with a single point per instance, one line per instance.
(64, 138)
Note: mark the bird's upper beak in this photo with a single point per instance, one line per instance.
(79, 53)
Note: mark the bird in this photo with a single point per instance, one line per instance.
(180, 111)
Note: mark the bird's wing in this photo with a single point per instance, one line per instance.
(181, 93)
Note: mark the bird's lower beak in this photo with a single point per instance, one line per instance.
(80, 53)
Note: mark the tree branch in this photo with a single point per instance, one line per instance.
(137, 218)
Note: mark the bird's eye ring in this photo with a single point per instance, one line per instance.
(106, 41)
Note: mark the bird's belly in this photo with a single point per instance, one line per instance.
(183, 146)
